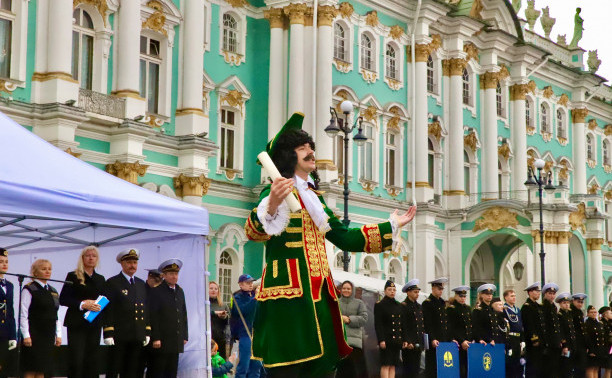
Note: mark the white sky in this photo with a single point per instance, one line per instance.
(597, 34)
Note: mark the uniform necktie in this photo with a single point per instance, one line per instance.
(46, 287)
(131, 280)
(3, 283)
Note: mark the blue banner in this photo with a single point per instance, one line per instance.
(486, 360)
(447, 356)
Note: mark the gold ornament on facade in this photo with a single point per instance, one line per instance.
(446, 67)
(369, 76)
(275, 17)
(608, 129)
(477, 7)
(396, 32)
(608, 195)
(591, 163)
(503, 72)
(368, 185)
(73, 153)
(191, 186)
(594, 243)
(489, 80)
(233, 98)
(579, 115)
(546, 136)
(237, 3)
(495, 219)
(593, 189)
(471, 50)
(346, 10)
(548, 164)
(504, 151)
(296, 13)
(230, 174)
(369, 114)
(592, 124)
(326, 15)
(393, 191)
(435, 130)
(342, 66)
(562, 141)
(232, 58)
(99, 4)
(563, 100)
(563, 172)
(457, 65)
(531, 159)
(518, 91)
(127, 171)
(7, 86)
(326, 165)
(393, 123)
(607, 168)
(395, 85)
(308, 17)
(157, 20)
(578, 218)
(548, 92)
(372, 19)
(471, 141)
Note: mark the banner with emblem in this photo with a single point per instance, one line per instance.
(486, 360)
(447, 355)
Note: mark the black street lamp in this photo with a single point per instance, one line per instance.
(337, 125)
(542, 183)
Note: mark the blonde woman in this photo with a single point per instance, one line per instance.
(219, 315)
(83, 337)
(40, 328)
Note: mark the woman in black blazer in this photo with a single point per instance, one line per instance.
(83, 336)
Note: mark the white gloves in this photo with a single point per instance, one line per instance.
(109, 341)
(146, 342)
(522, 346)
(12, 344)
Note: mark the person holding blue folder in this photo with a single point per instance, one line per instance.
(80, 297)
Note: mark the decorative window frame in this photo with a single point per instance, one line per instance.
(208, 85)
(207, 17)
(239, 57)
(591, 161)
(398, 275)
(370, 76)
(474, 163)
(235, 256)
(342, 93)
(339, 252)
(565, 163)
(593, 182)
(19, 44)
(234, 100)
(608, 206)
(392, 116)
(562, 139)
(397, 83)
(370, 102)
(474, 88)
(437, 71)
(505, 102)
(506, 168)
(606, 161)
(531, 123)
(165, 35)
(438, 163)
(376, 271)
(345, 66)
(546, 133)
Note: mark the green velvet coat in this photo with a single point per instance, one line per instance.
(298, 318)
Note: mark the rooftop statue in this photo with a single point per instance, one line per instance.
(561, 41)
(532, 14)
(577, 29)
(516, 4)
(593, 62)
(547, 22)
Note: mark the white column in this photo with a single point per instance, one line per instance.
(563, 271)
(275, 79)
(325, 17)
(296, 13)
(519, 141)
(596, 298)
(54, 81)
(423, 191)
(578, 150)
(190, 118)
(309, 115)
(128, 58)
(490, 185)
(425, 252)
(454, 68)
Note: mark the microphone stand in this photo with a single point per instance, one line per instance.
(20, 278)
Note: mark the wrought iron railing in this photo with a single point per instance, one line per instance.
(101, 103)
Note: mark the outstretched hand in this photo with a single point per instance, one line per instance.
(404, 219)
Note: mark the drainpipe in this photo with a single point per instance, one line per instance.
(413, 129)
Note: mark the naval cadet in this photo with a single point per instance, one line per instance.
(568, 335)
(168, 314)
(459, 317)
(154, 278)
(484, 317)
(500, 324)
(535, 328)
(514, 369)
(126, 318)
(579, 357)
(389, 332)
(595, 337)
(414, 329)
(553, 330)
(8, 335)
(606, 319)
(436, 326)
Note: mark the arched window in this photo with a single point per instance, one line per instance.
(544, 118)
(430, 163)
(589, 147)
(466, 87)
(82, 48)
(339, 42)
(395, 271)
(230, 33)
(430, 75)
(561, 129)
(150, 62)
(338, 262)
(605, 151)
(367, 154)
(367, 268)
(391, 157)
(367, 53)
(466, 173)
(391, 62)
(228, 138)
(499, 100)
(6, 33)
(528, 111)
(225, 276)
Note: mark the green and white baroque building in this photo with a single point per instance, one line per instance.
(179, 96)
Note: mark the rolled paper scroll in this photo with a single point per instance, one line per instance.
(268, 164)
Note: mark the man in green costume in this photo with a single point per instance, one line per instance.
(298, 330)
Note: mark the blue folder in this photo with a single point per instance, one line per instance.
(91, 315)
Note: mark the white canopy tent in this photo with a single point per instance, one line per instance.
(53, 204)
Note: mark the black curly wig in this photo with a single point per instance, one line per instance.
(285, 157)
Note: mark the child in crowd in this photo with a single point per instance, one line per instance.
(220, 367)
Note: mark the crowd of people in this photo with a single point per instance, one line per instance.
(145, 324)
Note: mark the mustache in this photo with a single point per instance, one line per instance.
(309, 157)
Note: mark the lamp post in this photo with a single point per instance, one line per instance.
(542, 183)
(337, 125)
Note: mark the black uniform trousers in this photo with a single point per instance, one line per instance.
(162, 365)
(550, 368)
(411, 362)
(431, 367)
(124, 357)
(4, 358)
(579, 359)
(514, 369)
(463, 363)
(535, 362)
(83, 349)
(353, 366)
(566, 367)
